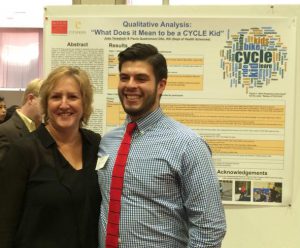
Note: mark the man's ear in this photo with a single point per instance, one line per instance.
(161, 86)
(30, 97)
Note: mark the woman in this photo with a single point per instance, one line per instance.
(2, 109)
(49, 192)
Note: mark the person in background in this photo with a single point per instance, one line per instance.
(49, 191)
(171, 195)
(24, 120)
(10, 111)
(2, 109)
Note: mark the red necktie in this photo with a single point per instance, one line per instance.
(112, 230)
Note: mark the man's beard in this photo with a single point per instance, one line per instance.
(144, 108)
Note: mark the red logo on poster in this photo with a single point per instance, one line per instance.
(59, 27)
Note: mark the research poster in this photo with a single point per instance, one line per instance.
(232, 80)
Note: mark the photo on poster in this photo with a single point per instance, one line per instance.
(226, 190)
(267, 192)
(242, 191)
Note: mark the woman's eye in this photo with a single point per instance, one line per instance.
(54, 97)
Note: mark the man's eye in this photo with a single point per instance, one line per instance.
(141, 79)
(123, 78)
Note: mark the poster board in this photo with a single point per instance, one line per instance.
(232, 78)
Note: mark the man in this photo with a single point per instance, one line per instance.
(3, 109)
(24, 120)
(170, 196)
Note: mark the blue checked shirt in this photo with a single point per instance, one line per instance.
(171, 195)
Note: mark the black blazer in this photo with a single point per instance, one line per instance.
(10, 131)
(45, 203)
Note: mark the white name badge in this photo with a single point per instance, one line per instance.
(101, 162)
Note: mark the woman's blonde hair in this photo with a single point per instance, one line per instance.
(83, 80)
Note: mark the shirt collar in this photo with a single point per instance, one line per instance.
(48, 140)
(28, 122)
(147, 121)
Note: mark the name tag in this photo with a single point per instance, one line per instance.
(101, 162)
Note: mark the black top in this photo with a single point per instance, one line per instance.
(44, 201)
(10, 131)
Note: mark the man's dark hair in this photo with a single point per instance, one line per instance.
(1, 98)
(148, 53)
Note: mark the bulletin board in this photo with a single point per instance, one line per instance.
(233, 78)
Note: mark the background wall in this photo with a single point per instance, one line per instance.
(99, 1)
(12, 97)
